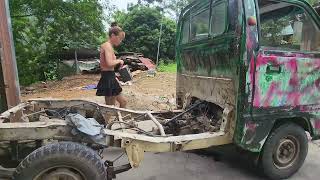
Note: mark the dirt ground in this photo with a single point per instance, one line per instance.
(145, 93)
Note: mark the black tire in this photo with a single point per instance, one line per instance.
(63, 158)
(284, 151)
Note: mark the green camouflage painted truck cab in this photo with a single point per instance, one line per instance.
(261, 59)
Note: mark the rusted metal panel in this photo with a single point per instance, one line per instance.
(8, 61)
(135, 143)
(220, 91)
(208, 69)
(35, 131)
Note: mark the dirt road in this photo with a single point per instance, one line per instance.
(145, 93)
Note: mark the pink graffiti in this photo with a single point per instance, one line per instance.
(270, 93)
(251, 126)
(293, 92)
(317, 83)
(317, 124)
(293, 67)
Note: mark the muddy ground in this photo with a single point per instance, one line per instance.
(145, 93)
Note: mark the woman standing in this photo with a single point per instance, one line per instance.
(108, 85)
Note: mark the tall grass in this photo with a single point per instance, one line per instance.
(170, 67)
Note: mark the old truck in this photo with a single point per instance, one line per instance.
(248, 75)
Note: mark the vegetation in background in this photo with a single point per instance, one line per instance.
(313, 2)
(142, 26)
(170, 7)
(42, 29)
(169, 67)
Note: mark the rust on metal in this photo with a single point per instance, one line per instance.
(3, 97)
(8, 60)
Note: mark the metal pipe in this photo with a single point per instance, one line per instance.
(179, 115)
(157, 123)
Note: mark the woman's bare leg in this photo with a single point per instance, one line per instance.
(122, 101)
(110, 100)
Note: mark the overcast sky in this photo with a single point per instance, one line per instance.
(122, 4)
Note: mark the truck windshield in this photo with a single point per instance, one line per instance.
(284, 26)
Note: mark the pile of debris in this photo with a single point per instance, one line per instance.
(90, 65)
(136, 61)
(199, 117)
(133, 62)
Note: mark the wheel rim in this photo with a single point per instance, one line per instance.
(286, 153)
(60, 173)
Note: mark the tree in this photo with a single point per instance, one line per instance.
(171, 7)
(42, 28)
(313, 2)
(176, 6)
(142, 26)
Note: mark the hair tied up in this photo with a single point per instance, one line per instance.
(114, 24)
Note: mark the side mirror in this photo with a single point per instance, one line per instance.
(252, 21)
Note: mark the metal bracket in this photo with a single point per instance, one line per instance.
(113, 171)
(135, 152)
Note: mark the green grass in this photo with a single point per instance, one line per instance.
(171, 67)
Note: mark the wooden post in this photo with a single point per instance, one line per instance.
(8, 60)
(3, 97)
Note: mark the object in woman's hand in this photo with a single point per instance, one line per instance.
(117, 67)
(125, 73)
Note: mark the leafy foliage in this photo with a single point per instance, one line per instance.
(313, 2)
(142, 27)
(172, 7)
(43, 28)
(271, 31)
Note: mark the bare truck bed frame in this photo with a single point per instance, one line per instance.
(134, 131)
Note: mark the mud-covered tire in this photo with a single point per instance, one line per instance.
(69, 158)
(284, 151)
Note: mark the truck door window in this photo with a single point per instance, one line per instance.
(287, 26)
(185, 31)
(200, 25)
(219, 18)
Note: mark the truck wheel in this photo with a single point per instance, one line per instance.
(284, 151)
(64, 160)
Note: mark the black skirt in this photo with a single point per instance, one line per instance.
(108, 85)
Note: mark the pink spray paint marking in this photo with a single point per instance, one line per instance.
(294, 80)
(270, 94)
(317, 124)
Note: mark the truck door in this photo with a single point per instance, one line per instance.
(283, 60)
(288, 64)
(207, 54)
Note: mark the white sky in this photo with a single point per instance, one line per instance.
(122, 4)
